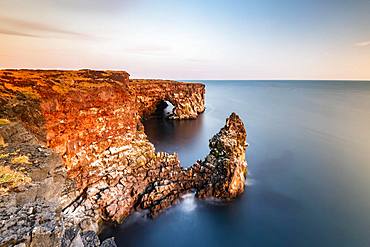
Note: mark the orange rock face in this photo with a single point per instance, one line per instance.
(188, 100)
(70, 110)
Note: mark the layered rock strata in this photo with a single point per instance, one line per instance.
(188, 101)
(73, 153)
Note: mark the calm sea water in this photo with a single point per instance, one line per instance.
(309, 169)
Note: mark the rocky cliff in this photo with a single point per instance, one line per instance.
(73, 153)
(188, 101)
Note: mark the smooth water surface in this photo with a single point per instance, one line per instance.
(309, 169)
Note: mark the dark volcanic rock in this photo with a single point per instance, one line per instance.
(109, 242)
(69, 235)
(90, 239)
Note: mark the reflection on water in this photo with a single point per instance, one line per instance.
(309, 166)
(174, 135)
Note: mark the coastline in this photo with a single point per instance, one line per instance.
(102, 166)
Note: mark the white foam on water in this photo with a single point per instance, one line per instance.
(249, 181)
(214, 201)
(188, 203)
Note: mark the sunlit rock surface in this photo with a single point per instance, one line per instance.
(73, 153)
(188, 101)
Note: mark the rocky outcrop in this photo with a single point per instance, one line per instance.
(188, 101)
(220, 175)
(32, 178)
(73, 153)
(223, 172)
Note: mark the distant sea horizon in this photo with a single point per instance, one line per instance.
(278, 80)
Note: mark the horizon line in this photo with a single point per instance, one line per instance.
(363, 80)
(182, 79)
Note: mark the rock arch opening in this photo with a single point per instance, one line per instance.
(164, 109)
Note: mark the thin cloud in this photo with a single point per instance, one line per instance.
(363, 43)
(96, 6)
(196, 60)
(9, 32)
(10, 26)
(149, 50)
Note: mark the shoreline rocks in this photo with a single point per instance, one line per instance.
(220, 175)
(73, 146)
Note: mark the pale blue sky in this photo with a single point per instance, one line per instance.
(265, 39)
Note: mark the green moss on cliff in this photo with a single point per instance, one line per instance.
(4, 121)
(10, 179)
(23, 159)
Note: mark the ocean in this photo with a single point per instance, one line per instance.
(308, 169)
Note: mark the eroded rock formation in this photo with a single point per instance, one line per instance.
(73, 153)
(188, 101)
(220, 175)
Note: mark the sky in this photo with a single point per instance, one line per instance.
(191, 39)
